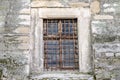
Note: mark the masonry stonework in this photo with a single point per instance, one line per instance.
(17, 43)
(14, 39)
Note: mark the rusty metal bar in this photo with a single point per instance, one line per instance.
(60, 30)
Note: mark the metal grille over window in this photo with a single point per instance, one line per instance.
(60, 44)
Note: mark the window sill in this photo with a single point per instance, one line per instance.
(61, 75)
(64, 72)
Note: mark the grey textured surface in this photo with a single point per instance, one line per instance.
(15, 49)
(13, 57)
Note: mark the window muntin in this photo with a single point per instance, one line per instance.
(60, 44)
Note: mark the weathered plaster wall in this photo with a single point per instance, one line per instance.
(14, 39)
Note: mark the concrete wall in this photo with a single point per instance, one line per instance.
(15, 36)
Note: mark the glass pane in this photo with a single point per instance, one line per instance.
(67, 28)
(52, 50)
(52, 28)
(68, 53)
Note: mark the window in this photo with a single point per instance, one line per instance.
(68, 27)
(60, 44)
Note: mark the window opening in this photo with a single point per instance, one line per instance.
(60, 44)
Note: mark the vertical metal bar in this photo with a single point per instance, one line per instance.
(73, 26)
(57, 49)
(64, 44)
(68, 34)
(46, 47)
(63, 49)
(44, 43)
(60, 41)
(76, 44)
(51, 50)
(55, 52)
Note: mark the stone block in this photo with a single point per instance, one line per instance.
(102, 74)
(2, 19)
(24, 17)
(106, 64)
(117, 54)
(107, 47)
(117, 9)
(45, 3)
(99, 27)
(99, 55)
(2, 7)
(25, 11)
(24, 39)
(116, 64)
(95, 7)
(79, 4)
(2, 23)
(109, 10)
(99, 17)
(24, 23)
(23, 46)
(2, 29)
(23, 30)
(109, 54)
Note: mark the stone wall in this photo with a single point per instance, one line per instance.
(106, 40)
(14, 39)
